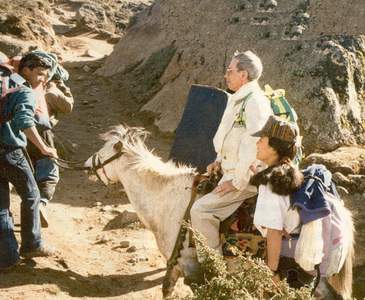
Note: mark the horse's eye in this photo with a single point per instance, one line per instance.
(118, 146)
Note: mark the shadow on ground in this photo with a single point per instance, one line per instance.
(77, 285)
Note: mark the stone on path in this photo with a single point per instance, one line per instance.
(132, 249)
(128, 217)
(124, 244)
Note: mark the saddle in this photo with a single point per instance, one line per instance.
(237, 231)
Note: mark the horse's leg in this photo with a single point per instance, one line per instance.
(191, 269)
(341, 283)
(324, 291)
(187, 266)
(170, 279)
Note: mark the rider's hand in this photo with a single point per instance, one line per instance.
(214, 167)
(224, 188)
(253, 168)
(49, 151)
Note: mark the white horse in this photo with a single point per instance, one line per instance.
(160, 193)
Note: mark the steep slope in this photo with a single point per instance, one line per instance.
(193, 41)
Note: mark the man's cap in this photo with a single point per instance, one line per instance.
(276, 127)
(56, 72)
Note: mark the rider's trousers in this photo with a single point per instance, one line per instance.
(208, 211)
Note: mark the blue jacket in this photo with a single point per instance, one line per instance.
(310, 197)
(21, 105)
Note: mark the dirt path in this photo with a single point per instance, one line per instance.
(86, 225)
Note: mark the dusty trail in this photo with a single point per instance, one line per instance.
(85, 216)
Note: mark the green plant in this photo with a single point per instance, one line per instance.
(250, 279)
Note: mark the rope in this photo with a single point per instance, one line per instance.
(69, 165)
(172, 261)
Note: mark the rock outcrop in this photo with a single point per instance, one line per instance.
(24, 26)
(28, 25)
(104, 18)
(323, 74)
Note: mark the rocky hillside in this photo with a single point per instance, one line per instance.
(187, 42)
(50, 24)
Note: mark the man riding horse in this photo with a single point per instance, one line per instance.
(246, 112)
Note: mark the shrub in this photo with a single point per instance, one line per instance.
(250, 279)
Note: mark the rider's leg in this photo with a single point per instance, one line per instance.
(208, 211)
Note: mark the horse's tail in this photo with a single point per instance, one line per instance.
(342, 282)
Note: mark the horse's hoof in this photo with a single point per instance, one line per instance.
(167, 288)
(195, 278)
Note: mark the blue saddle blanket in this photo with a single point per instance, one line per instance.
(193, 144)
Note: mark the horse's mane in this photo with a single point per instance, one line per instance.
(143, 159)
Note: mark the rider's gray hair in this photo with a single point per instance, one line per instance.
(250, 62)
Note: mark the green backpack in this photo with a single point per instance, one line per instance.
(281, 108)
(280, 105)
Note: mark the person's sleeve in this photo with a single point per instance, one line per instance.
(217, 142)
(23, 111)
(269, 211)
(257, 112)
(59, 101)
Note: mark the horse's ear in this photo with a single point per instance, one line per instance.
(118, 146)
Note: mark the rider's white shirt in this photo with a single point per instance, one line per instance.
(235, 147)
(273, 211)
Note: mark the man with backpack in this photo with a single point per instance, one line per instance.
(246, 112)
(17, 125)
(51, 98)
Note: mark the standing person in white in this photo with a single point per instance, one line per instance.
(247, 111)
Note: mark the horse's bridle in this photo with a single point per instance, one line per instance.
(96, 164)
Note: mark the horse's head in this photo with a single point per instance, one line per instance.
(103, 163)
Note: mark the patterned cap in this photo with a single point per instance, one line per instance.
(276, 127)
(56, 72)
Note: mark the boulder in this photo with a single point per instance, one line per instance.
(345, 160)
(12, 46)
(110, 19)
(91, 16)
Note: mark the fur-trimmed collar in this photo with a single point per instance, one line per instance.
(284, 179)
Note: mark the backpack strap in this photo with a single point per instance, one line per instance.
(240, 118)
(6, 90)
(4, 86)
(244, 102)
(7, 66)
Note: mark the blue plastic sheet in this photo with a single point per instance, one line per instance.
(193, 144)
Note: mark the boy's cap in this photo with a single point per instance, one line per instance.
(276, 127)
